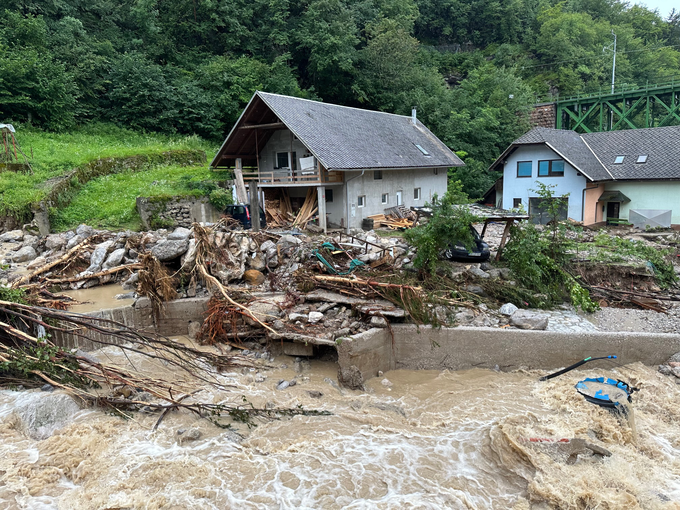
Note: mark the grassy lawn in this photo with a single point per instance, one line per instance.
(54, 154)
(109, 201)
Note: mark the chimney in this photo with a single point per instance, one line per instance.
(414, 120)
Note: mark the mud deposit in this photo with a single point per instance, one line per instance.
(432, 440)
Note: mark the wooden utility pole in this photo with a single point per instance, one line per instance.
(254, 206)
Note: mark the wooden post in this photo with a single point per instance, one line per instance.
(254, 206)
(321, 199)
(506, 231)
(241, 195)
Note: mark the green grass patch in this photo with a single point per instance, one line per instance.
(55, 154)
(109, 201)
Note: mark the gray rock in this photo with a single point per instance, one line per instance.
(378, 322)
(292, 383)
(342, 332)
(665, 370)
(506, 274)
(84, 231)
(474, 270)
(315, 394)
(179, 234)
(287, 240)
(55, 242)
(267, 245)
(37, 262)
(131, 283)
(264, 311)
(13, 236)
(32, 241)
(476, 289)
(508, 309)
(170, 249)
(191, 434)
(315, 317)
(99, 256)
(260, 378)
(114, 259)
(350, 377)
(525, 319)
(47, 387)
(74, 241)
(282, 385)
(127, 295)
(42, 413)
(294, 317)
(189, 256)
(24, 254)
(464, 317)
(675, 358)
(193, 328)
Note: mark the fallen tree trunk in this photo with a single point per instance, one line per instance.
(92, 276)
(27, 278)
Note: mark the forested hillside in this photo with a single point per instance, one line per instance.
(472, 67)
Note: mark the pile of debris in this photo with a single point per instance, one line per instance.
(279, 211)
(395, 218)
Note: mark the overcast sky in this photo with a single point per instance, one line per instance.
(664, 6)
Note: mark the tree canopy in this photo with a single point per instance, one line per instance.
(473, 68)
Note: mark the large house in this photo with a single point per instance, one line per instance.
(611, 176)
(360, 162)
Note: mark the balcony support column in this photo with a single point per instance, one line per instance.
(241, 195)
(254, 206)
(321, 199)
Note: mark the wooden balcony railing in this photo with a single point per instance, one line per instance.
(288, 178)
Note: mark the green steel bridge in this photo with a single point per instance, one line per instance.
(627, 108)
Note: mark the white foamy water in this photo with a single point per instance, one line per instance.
(434, 440)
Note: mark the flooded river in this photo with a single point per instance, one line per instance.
(431, 440)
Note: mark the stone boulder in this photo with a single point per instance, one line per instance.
(24, 254)
(98, 256)
(74, 241)
(264, 311)
(189, 256)
(179, 234)
(55, 242)
(13, 236)
(508, 309)
(256, 261)
(170, 249)
(84, 231)
(526, 319)
(253, 277)
(350, 377)
(114, 259)
(43, 413)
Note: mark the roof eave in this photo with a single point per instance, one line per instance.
(410, 167)
(218, 156)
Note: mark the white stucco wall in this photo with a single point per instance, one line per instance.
(649, 195)
(392, 181)
(521, 187)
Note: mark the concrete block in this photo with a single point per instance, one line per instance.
(296, 349)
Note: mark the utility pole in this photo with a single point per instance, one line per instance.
(614, 63)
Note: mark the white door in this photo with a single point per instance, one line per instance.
(398, 197)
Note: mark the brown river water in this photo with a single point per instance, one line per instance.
(432, 440)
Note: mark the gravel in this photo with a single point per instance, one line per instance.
(643, 321)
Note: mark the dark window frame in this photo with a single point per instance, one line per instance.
(550, 166)
(377, 175)
(516, 203)
(531, 174)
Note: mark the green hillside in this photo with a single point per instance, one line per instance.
(472, 67)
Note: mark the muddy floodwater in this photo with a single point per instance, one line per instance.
(459, 440)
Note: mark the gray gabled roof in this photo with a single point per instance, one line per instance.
(593, 154)
(344, 138)
(661, 146)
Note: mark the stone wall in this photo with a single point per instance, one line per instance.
(158, 212)
(543, 115)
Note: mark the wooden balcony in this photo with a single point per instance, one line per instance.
(284, 177)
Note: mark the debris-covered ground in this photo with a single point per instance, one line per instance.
(299, 285)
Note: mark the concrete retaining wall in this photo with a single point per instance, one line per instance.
(428, 348)
(174, 322)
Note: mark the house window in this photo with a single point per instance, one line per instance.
(552, 168)
(281, 160)
(642, 158)
(618, 160)
(421, 149)
(329, 196)
(524, 169)
(516, 203)
(361, 201)
(416, 193)
(377, 175)
(385, 198)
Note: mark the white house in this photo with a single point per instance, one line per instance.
(629, 175)
(361, 162)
